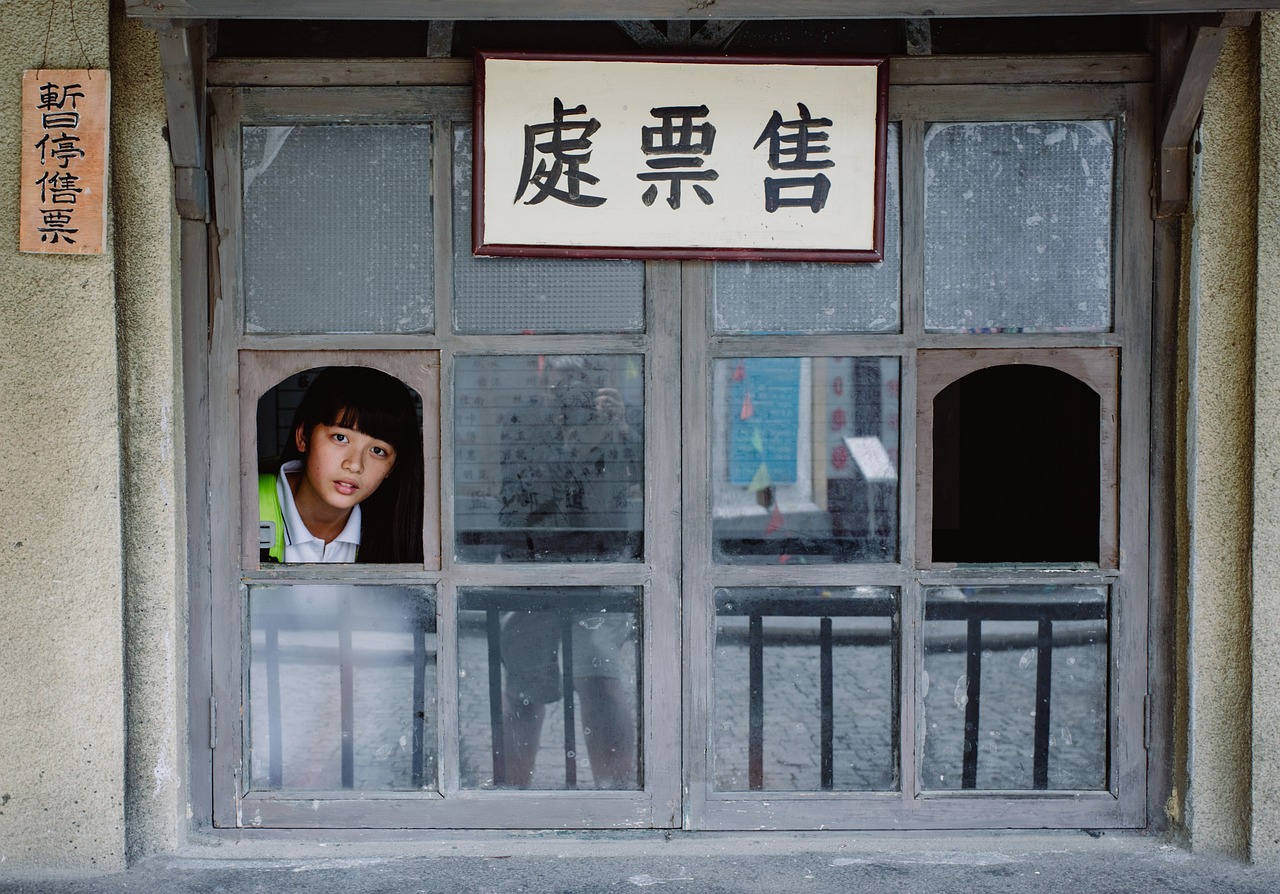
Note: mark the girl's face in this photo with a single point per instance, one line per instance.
(343, 467)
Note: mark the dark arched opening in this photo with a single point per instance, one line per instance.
(1016, 467)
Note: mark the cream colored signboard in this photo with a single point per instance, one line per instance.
(680, 157)
(64, 160)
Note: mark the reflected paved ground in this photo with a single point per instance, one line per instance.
(310, 728)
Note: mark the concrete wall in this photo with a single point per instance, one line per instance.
(151, 429)
(1220, 454)
(62, 737)
(92, 580)
(1265, 812)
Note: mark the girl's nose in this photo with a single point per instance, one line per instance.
(353, 460)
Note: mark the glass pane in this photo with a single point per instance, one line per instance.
(337, 228)
(805, 460)
(1017, 226)
(549, 687)
(523, 295)
(549, 458)
(757, 296)
(806, 689)
(342, 688)
(1015, 688)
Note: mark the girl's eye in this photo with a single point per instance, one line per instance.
(340, 438)
(379, 451)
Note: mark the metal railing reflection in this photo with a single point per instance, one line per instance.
(1042, 607)
(343, 623)
(568, 604)
(756, 605)
(974, 607)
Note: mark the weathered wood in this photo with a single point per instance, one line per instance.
(1188, 56)
(919, 37)
(660, 9)
(905, 71)
(339, 72)
(440, 38)
(183, 51)
(65, 148)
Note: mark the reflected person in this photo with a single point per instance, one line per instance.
(570, 463)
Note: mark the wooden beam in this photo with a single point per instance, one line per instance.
(440, 39)
(667, 10)
(919, 37)
(183, 55)
(1189, 53)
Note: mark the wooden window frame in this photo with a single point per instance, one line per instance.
(677, 300)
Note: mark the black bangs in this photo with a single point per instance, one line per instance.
(367, 400)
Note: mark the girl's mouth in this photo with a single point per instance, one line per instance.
(346, 488)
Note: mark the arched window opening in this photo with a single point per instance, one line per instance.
(1016, 467)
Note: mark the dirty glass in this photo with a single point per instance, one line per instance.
(337, 228)
(761, 296)
(806, 689)
(555, 294)
(549, 687)
(342, 683)
(1018, 226)
(1015, 688)
(549, 458)
(804, 460)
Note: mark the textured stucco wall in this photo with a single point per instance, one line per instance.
(61, 643)
(1265, 844)
(1219, 455)
(151, 426)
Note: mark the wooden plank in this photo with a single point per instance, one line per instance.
(658, 9)
(183, 52)
(1055, 69)
(339, 72)
(1188, 57)
(904, 70)
(64, 154)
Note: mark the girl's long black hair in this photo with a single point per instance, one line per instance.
(380, 406)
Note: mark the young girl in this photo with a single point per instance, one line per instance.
(350, 486)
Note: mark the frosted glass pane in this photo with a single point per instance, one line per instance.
(759, 296)
(337, 229)
(1017, 226)
(518, 295)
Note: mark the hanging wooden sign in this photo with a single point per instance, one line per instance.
(64, 160)
(680, 157)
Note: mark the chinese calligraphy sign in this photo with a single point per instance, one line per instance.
(64, 160)
(680, 157)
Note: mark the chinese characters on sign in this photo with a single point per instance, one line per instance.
(680, 158)
(64, 160)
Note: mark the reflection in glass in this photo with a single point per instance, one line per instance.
(337, 228)
(548, 687)
(805, 460)
(1017, 226)
(1015, 688)
(342, 688)
(555, 294)
(806, 689)
(772, 296)
(549, 458)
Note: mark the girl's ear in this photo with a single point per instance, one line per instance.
(300, 439)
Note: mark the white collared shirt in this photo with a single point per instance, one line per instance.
(300, 545)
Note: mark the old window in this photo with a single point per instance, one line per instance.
(716, 544)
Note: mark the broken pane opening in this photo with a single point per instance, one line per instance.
(1016, 467)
